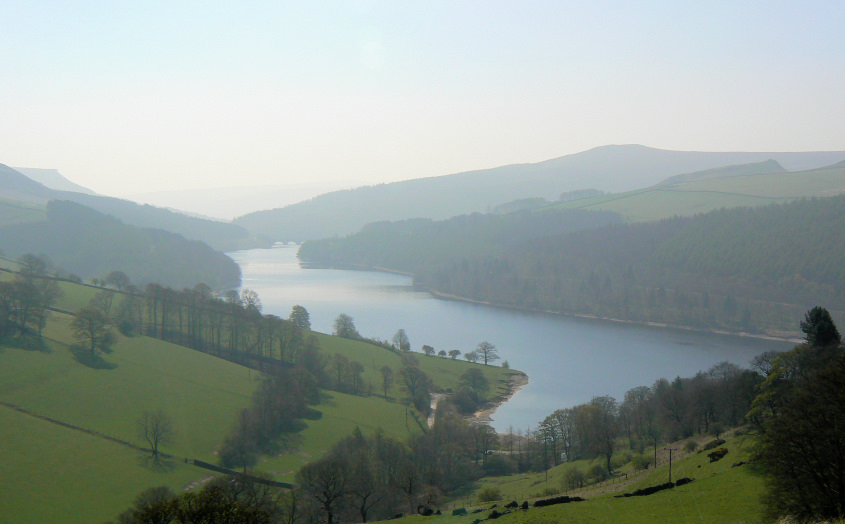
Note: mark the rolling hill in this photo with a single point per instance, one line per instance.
(70, 429)
(733, 186)
(732, 250)
(84, 242)
(16, 187)
(52, 179)
(607, 168)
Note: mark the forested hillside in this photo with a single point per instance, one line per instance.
(411, 245)
(743, 269)
(614, 168)
(86, 243)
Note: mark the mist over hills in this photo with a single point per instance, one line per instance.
(16, 186)
(87, 243)
(52, 179)
(226, 203)
(611, 168)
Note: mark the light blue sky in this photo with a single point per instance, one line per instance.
(129, 97)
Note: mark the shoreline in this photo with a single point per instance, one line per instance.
(663, 325)
(516, 383)
(791, 337)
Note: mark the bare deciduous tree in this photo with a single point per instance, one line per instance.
(487, 352)
(156, 428)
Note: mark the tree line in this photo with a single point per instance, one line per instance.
(27, 298)
(742, 269)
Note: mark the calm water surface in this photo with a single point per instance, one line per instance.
(568, 360)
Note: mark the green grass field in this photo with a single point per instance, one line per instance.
(720, 494)
(200, 392)
(701, 196)
(341, 414)
(55, 474)
(445, 372)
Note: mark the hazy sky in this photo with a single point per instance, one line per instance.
(129, 97)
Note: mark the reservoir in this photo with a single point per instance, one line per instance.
(569, 360)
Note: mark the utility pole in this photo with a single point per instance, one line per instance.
(670, 462)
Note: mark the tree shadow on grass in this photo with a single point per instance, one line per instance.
(285, 443)
(84, 357)
(327, 400)
(161, 464)
(25, 342)
(312, 414)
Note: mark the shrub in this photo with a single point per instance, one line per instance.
(641, 462)
(498, 466)
(718, 454)
(573, 479)
(598, 473)
(126, 327)
(620, 459)
(690, 446)
(489, 494)
(466, 400)
(713, 444)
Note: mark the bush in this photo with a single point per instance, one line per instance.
(713, 444)
(620, 460)
(466, 400)
(641, 462)
(690, 446)
(498, 466)
(573, 479)
(716, 429)
(126, 327)
(489, 494)
(598, 473)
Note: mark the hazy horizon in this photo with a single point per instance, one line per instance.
(130, 99)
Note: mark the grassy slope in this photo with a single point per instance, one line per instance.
(55, 474)
(700, 196)
(720, 494)
(445, 372)
(200, 392)
(13, 212)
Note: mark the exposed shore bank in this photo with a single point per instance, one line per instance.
(516, 382)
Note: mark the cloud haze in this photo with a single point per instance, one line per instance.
(148, 97)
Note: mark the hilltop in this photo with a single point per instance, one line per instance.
(609, 168)
(52, 179)
(17, 187)
(732, 250)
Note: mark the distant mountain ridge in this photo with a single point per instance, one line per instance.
(759, 168)
(52, 179)
(15, 185)
(612, 168)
